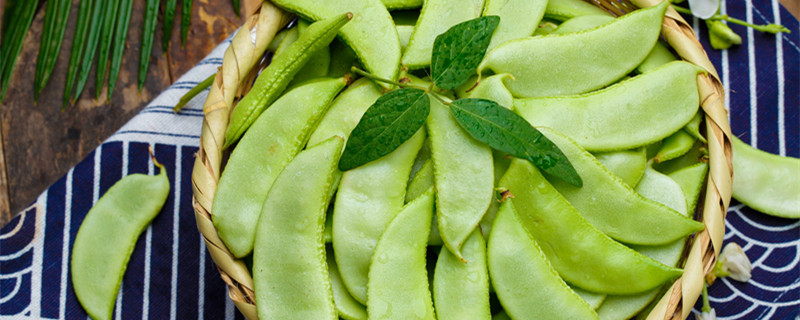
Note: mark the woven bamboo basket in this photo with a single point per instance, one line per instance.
(250, 43)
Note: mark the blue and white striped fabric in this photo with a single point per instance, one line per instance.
(171, 276)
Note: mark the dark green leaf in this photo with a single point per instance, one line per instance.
(92, 40)
(506, 131)
(236, 7)
(148, 30)
(458, 52)
(169, 18)
(120, 35)
(392, 120)
(84, 13)
(104, 49)
(19, 20)
(186, 20)
(55, 23)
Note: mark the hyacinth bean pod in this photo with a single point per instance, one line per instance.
(519, 270)
(371, 34)
(398, 279)
(277, 75)
(107, 236)
(562, 10)
(461, 289)
(261, 155)
(518, 18)
(462, 175)
(633, 113)
(346, 110)
(347, 307)
(365, 206)
(612, 206)
(289, 270)
(763, 181)
(577, 62)
(582, 255)
(435, 18)
(628, 165)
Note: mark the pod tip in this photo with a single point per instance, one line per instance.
(349, 15)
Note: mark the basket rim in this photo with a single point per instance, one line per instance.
(699, 256)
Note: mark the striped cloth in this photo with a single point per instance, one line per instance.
(170, 274)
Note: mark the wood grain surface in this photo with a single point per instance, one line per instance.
(40, 142)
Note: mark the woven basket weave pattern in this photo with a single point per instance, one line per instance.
(250, 43)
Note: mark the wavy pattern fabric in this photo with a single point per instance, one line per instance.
(171, 276)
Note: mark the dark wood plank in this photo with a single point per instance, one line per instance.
(41, 142)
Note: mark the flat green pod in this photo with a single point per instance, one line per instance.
(490, 88)
(421, 182)
(346, 111)
(693, 127)
(582, 255)
(577, 62)
(402, 4)
(317, 66)
(107, 236)
(502, 315)
(657, 187)
(518, 18)
(766, 182)
(271, 83)
(633, 113)
(290, 274)
(562, 10)
(659, 56)
(342, 59)
(462, 175)
(347, 307)
(261, 155)
(371, 34)
(435, 18)
(593, 299)
(691, 179)
(365, 206)
(698, 153)
(676, 145)
(614, 207)
(628, 165)
(522, 276)
(461, 289)
(405, 32)
(398, 278)
(581, 23)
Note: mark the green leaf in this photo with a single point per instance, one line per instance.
(392, 120)
(506, 131)
(458, 51)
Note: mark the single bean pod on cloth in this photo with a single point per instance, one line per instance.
(107, 236)
(577, 62)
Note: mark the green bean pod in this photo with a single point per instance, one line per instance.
(633, 113)
(693, 127)
(13, 36)
(106, 35)
(107, 236)
(676, 145)
(582, 23)
(595, 300)
(347, 307)
(691, 179)
(402, 4)
(55, 23)
(461, 290)
(371, 34)
(582, 255)
(577, 62)
(186, 20)
(169, 18)
(274, 79)
(490, 88)
(346, 111)
(612, 206)
(562, 10)
(317, 66)
(82, 25)
(120, 35)
(462, 174)
(518, 18)
(520, 272)
(628, 165)
(659, 56)
(435, 18)
(398, 280)
(261, 155)
(148, 31)
(290, 276)
(762, 181)
(365, 206)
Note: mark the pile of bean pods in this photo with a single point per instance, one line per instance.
(445, 226)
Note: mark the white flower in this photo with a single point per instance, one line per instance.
(735, 263)
(710, 315)
(704, 9)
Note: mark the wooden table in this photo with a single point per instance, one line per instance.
(40, 142)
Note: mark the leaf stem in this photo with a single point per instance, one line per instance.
(771, 28)
(376, 78)
(706, 304)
